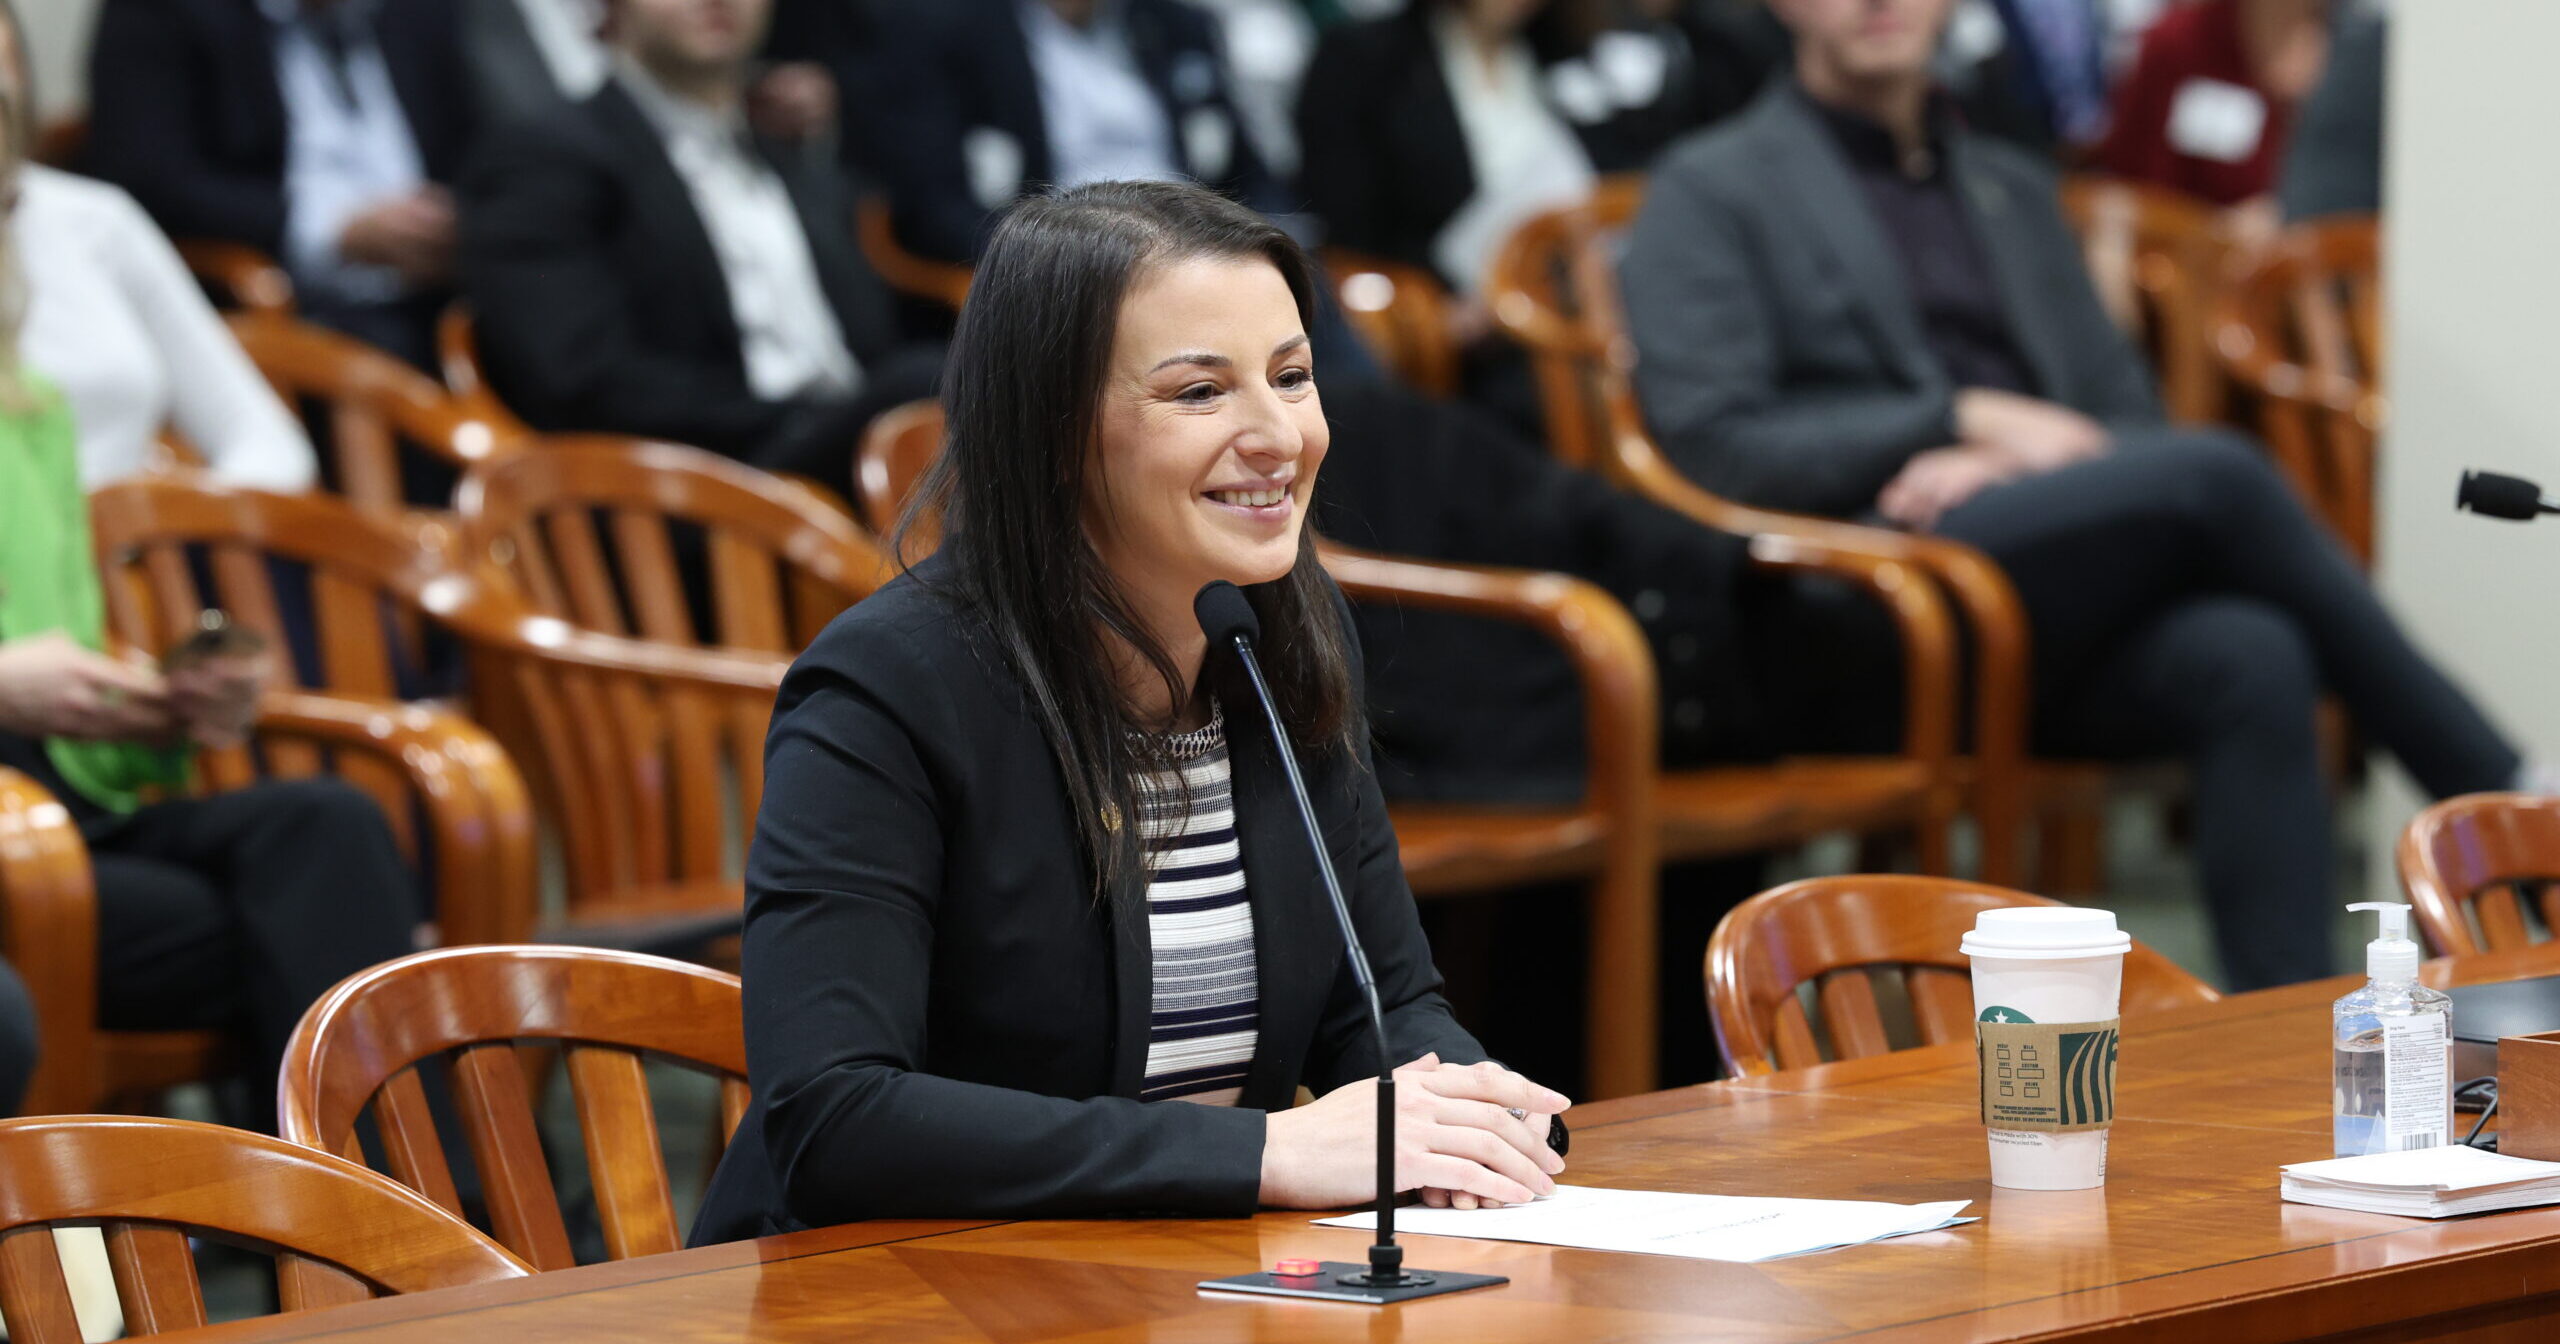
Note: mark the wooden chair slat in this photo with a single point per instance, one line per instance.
(748, 595)
(155, 1278)
(2501, 917)
(625, 1161)
(305, 1284)
(174, 598)
(584, 572)
(1796, 1046)
(1941, 1003)
(35, 1299)
(409, 1142)
(368, 456)
(734, 1098)
(1852, 1015)
(355, 642)
(650, 577)
(515, 1180)
(246, 588)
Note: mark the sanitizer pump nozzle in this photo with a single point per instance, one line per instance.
(2391, 958)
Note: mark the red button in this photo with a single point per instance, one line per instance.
(1298, 1268)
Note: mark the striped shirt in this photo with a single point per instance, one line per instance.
(1207, 1007)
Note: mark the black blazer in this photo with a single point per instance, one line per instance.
(1782, 361)
(939, 72)
(600, 302)
(945, 1020)
(1384, 160)
(186, 114)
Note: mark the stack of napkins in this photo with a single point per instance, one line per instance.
(2425, 1182)
(1700, 1227)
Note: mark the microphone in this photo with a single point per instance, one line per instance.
(1229, 622)
(2510, 497)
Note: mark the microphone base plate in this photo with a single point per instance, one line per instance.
(1348, 1281)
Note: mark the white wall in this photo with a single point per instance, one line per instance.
(58, 34)
(2473, 279)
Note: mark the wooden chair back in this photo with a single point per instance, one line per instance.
(2302, 333)
(469, 1012)
(169, 549)
(1554, 288)
(372, 409)
(338, 1232)
(876, 230)
(1844, 939)
(2483, 869)
(896, 451)
(1401, 313)
(666, 543)
(2157, 258)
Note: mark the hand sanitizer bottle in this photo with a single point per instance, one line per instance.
(2394, 1043)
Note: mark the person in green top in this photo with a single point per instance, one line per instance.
(233, 910)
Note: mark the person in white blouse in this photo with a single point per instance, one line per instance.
(117, 323)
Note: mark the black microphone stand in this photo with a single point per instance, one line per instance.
(1386, 1279)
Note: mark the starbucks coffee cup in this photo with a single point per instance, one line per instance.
(2046, 980)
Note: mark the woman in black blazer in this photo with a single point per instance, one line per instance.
(992, 914)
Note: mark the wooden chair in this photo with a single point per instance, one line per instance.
(2472, 864)
(942, 282)
(776, 559)
(446, 786)
(374, 406)
(338, 1232)
(1402, 313)
(2158, 257)
(901, 442)
(1553, 286)
(640, 757)
(1837, 934)
(2301, 334)
(241, 277)
(361, 1048)
(1609, 837)
(458, 360)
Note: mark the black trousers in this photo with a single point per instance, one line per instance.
(238, 910)
(2183, 603)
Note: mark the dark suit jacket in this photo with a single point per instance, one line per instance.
(600, 302)
(944, 1018)
(185, 111)
(938, 72)
(1781, 359)
(1385, 163)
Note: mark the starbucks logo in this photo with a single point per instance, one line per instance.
(1997, 1013)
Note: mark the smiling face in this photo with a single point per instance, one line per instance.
(1210, 433)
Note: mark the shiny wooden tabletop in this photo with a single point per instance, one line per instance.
(2187, 1242)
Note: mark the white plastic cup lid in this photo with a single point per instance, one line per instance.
(2045, 932)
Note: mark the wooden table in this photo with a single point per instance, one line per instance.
(2188, 1241)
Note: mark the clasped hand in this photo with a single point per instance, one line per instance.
(1457, 1140)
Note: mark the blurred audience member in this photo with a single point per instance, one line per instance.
(114, 321)
(316, 131)
(2333, 163)
(234, 910)
(1846, 304)
(1267, 43)
(971, 103)
(2047, 85)
(1431, 135)
(645, 264)
(2207, 104)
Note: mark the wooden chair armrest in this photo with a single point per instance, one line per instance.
(943, 282)
(1993, 618)
(479, 816)
(1607, 649)
(1622, 744)
(49, 933)
(252, 278)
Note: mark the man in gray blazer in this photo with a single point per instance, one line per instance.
(1845, 304)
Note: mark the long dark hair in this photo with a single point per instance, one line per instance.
(1022, 389)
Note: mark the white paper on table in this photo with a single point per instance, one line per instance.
(1700, 1227)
